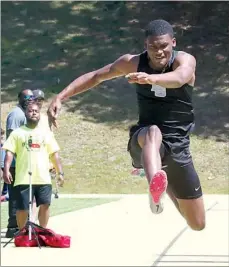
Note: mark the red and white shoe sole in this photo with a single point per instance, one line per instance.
(158, 186)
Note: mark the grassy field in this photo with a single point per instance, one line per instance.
(48, 44)
(60, 206)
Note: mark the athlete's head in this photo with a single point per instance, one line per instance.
(159, 42)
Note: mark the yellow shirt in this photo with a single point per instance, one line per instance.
(34, 158)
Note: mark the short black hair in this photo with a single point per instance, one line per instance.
(20, 93)
(159, 27)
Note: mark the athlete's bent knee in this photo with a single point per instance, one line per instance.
(198, 224)
(154, 133)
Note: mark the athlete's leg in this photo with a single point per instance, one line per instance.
(171, 195)
(146, 150)
(186, 193)
(191, 209)
(150, 140)
(194, 212)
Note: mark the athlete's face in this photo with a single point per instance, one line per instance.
(159, 49)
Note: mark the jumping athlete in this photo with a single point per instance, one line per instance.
(159, 142)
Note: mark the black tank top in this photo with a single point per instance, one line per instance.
(170, 109)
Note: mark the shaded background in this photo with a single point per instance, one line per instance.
(48, 44)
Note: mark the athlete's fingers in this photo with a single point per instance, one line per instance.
(132, 80)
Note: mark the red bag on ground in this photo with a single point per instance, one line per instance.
(51, 239)
(22, 240)
(46, 237)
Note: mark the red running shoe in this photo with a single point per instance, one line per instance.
(157, 188)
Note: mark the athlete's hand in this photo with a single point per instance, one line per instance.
(7, 177)
(53, 111)
(140, 77)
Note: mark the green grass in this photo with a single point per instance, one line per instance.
(60, 206)
(211, 162)
(48, 44)
(96, 162)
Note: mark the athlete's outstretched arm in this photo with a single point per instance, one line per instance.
(120, 67)
(183, 72)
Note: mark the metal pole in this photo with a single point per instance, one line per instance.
(30, 193)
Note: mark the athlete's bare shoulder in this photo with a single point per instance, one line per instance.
(184, 59)
(127, 63)
(122, 66)
(184, 56)
(186, 63)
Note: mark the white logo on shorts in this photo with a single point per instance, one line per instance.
(196, 189)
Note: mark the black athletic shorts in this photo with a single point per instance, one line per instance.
(182, 177)
(42, 194)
